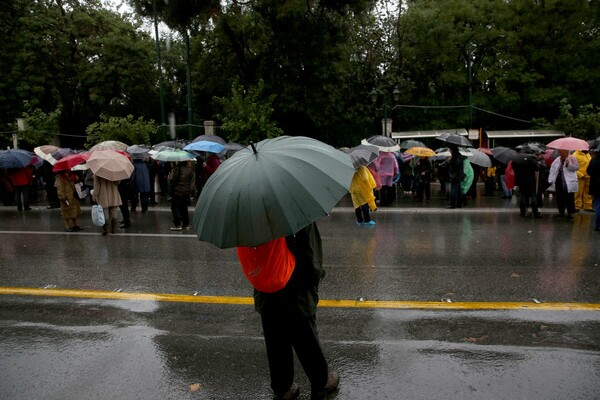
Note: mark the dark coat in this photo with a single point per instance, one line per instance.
(593, 170)
(182, 179)
(301, 294)
(141, 176)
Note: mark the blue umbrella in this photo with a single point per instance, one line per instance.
(15, 158)
(205, 145)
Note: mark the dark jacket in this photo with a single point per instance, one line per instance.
(593, 170)
(300, 296)
(182, 179)
(456, 172)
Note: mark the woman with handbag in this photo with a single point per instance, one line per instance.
(106, 194)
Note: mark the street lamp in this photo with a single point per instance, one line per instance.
(396, 96)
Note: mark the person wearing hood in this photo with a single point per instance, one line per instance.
(583, 200)
(563, 173)
(361, 192)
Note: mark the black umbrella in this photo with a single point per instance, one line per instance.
(384, 143)
(177, 144)
(362, 154)
(455, 138)
(504, 154)
(410, 143)
(210, 138)
(531, 148)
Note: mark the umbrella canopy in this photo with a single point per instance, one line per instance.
(173, 155)
(59, 154)
(15, 158)
(138, 151)
(68, 162)
(110, 145)
(485, 150)
(531, 148)
(231, 148)
(45, 151)
(210, 138)
(455, 138)
(504, 154)
(362, 154)
(110, 165)
(479, 158)
(205, 145)
(569, 143)
(410, 143)
(421, 152)
(384, 143)
(176, 144)
(444, 152)
(271, 190)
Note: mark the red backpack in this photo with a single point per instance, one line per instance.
(268, 266)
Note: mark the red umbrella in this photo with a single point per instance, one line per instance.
(69, 162)
(569, 143)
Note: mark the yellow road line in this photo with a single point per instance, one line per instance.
(180, 298)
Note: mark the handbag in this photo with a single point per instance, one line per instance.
(98, 215)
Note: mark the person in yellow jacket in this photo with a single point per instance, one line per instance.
(583, 200)
(363, 199)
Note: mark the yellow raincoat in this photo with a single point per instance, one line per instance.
(361, 188)
(583, 199)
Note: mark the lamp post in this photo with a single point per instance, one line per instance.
(396, 96)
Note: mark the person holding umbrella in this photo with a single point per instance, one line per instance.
(563, 173)
(182, 179)
(527, 168)
(69, 205)
(456, 174)
(106, 193)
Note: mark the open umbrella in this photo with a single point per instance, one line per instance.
(110, 165)
(569, 143)
(231, 148)
(59, 154)
(410, 143)
(455, 138)
(362, 154)
(138, 151)
(173, 155)
(504, 154)
(270, 190)
(210, 138)
(45, 151)
(443, 152)
(479, 158)
(384, 143)
(15, 158)
(70, 161)
(421, 152)
(177, 144)
(205, 145)
(110, 145)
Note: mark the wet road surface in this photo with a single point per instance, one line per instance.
(428, 304)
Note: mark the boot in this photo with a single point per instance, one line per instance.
(113, 226)
(104, 230)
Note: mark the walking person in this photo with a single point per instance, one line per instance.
(361, 192)
(593, 170)
(289, 321)
(64, 184)
(106, 194)
(181, 180)
(583, 200)
(563, 173)
(527, 169)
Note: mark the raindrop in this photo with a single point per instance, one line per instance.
(195, 294)
(118, 290)
(536, 301)
(361, 299)
(446, 300)
(49, 287)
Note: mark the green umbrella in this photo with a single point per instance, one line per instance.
(174, 155)
(270, 190)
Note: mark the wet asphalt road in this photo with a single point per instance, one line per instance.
(422, 256)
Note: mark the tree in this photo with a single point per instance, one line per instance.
(247, 116)
(124, 129)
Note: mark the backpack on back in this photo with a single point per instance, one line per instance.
(268, 266)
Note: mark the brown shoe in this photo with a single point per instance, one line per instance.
(333, 381)
(292, 393)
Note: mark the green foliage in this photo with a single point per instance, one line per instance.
(40, 127)
(584, 125)
(124, 129)
(247, 115)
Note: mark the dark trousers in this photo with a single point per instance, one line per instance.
(388, 195)
(22, 196)
(363, 213)
(179, 208)
(564, 200)
(455, 195)
(144, 198)
(285, 334)
(528, 197)
(423, 188)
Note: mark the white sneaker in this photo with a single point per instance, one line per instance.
(176, 228)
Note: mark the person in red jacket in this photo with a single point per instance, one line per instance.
(21, 179)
